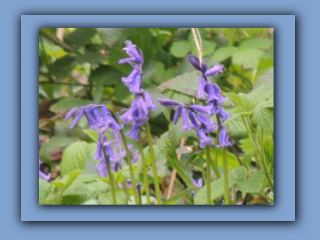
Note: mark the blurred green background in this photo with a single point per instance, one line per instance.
(80, 66)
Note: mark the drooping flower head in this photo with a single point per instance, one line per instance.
(224, 138)
(198, 184)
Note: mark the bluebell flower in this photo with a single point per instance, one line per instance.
(195, 122)
(132, 52)
(169, 103)
(214, 93)
(201, 87)
(208, 124)
(224, 115)
(216, 69)
(185, 122)
(134, 134)
(149, 103)
(177, 115)
(202, 109)
(204, 139)
(224, 138)
(198, 184)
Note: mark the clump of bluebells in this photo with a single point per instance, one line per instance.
(142, 104)
(199, 117)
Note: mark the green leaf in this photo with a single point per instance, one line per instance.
(79, 37)
(44, 190)
(121, 92)
(62, 67)
(266, 78)
(251, 184)
(186, 83)
(247, 145)
(106, 198)
(180, 49)
(263, 117)
(245, 104)
(92, 134)
(222, 54)
(208, 48)
(269, 151)
(177, 196)
(73, 200)
(74, 158)
(110, 35)
(53, 144)
(92, 57)
(235, 126)
(71, 177)
(217, 187)
(176, 134)
(69, 103)
(106, 74)
(263, 93)
(258, 43)
(247, 57)
(231, 158)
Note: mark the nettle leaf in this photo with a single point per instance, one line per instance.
(258, 43)
(186, 83)
(66, 181)
(247, 57)
(92, 57)
(180, 49)
(84, 184)
(106, 74)
(247, 145)
(110, 35)
(208, 48)
(251, 184)
(79, 37)
(263, 117)
(222, 54)
(245, 105)
(231, 158)
(74, 157)
(44, 190)
(269, 151)
(62, 67)
(217, 187)
(53, 144)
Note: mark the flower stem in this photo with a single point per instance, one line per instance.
(128, 156)
(144, 172)
(208, 183)
(226, 180)
(153, 162)
(113, 189)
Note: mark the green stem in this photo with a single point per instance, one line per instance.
(153, 162)
(56, 41)
(260, 151)
(203, 173)
(145, 173)
(208, 176)
(128, 156)
(113, 189)
(226, 180)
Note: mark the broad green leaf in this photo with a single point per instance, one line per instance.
(263, 117)
(245, 105)
(269, 151)
(106, 74)
(217, 187)
(222, 54)
(92, 134)
(79, 37)
(176, 134)
(208, 48)
(247, 145)
(186, 83)
(247, 57)
(92, 57)
(106, 198)
(44, 190)
(62, 67)
(73, 199)
(71, 177)
(235, 126)
(251, 184)
(110, 35)
(69, 103)
(121, 92)
(263, 93)
(231, 158)
(74, 158)
(53, 144)
(180, 49)
(91, 202)
(258, 43)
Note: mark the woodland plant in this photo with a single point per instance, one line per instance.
(211, 124)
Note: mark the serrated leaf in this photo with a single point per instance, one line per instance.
(235, 126)
(106, 74)
(247, 57)
(245, 104)
(186, 83)
(71, 177)
(180, 49)
(251, 184)
(63, 66)
(74, 158)
(92, 57)
(263, 93)
(110, 35)
(266, 78)
(222, 54)
(263, 117)
(44, 190)
(217, 187)
(247, 145)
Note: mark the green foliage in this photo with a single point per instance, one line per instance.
(44, 190)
